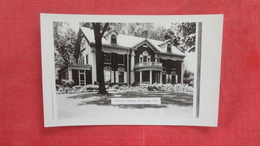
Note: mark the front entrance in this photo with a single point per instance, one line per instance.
(145, 76)
(82, 77)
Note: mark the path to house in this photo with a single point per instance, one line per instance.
(91, 105)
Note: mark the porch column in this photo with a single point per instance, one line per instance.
(160, 77)
(151, 77)
(182, 71)
(140, 77)
(114, 74)
(128, 69)
(70, 74)
(132, 65)
(94, 69)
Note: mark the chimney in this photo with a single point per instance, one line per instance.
(145, 34)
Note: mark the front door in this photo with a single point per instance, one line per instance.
(82, 78)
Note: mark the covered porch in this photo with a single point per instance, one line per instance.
(148, 76)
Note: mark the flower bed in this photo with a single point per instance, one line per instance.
(116, 88)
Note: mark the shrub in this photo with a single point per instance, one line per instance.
(170, 87)
(67, 90)
(92, 88)
(123, 87)
(188, 78)
(150, 88)
(79, 88)
(67, 83)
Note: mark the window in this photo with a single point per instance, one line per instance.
(164, 63)
(120, 59)
(82, 77)
(86, 59)
(141, 59)
(149, 59)
(169, 48)
(107, 58)
(113, 39)
(107, 76)
(81, 60)
(145, 59)
(83, 44)
(121, 77)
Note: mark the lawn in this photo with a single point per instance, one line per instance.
(167, 98)
(89, 105)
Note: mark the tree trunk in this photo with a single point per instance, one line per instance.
(100, 67)
(99, 57)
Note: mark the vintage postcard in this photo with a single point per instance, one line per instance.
(131, 70)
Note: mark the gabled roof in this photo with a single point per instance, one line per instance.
(126, 41)
(148, 42)
(89, 35)
(174, 50)
(107, 33)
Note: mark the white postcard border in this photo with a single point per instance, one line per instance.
(212, 28)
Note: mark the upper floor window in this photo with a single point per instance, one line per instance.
(145, 57)
(107, 58)
(113, 39)
(83, 44)
(81, 60)
(86, 59)
(169, 48)
(164, 63)
(120, 59)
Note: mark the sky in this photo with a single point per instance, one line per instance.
(75, 25)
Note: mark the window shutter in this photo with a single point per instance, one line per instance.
(125, 75)
(104, 75)
(112, 76)
(117, 78)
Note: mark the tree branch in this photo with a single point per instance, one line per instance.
(104, 28)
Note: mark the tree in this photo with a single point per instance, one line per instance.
(64, 45)
(183, 36)
(99, 55)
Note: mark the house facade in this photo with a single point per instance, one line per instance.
(128, 60)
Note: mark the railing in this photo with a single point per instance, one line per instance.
(148, 64)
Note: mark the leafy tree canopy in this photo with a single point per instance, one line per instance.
(64, 44)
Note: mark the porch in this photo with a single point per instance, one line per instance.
(148, 77)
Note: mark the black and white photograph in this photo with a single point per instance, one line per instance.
(132, 70)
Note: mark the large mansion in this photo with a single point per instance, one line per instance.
(127, 60)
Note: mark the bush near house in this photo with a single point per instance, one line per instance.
(188, 78)
(67, 83)
(116, 88)
(76, 89)
(158, 87)
(170, 87)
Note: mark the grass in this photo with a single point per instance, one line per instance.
(167, 98)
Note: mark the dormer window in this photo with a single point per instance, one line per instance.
(113, 39)
(169, 48)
